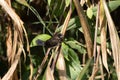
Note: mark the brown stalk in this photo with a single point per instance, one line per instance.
(86, 28)
(57, 52)
(40, 68)
(60, 58)
(65, 25)
(101, 68)
(95, 35)
(95, 68)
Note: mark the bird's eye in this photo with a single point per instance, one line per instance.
(60, 36)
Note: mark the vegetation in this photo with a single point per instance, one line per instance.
(88, 51)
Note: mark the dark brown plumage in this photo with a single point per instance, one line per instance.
(55, 40)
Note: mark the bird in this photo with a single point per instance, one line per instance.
(53, 41)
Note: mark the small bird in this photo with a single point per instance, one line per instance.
(53, 41)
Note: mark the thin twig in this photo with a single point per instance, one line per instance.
(101, 68)
(65, 25)
(42, 64)
(95, 68)
(56, 57)
(95, 36)
(86, 28)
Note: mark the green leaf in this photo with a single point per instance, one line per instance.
(49, 1)
(84, 70)
(89, 13)
(42, 37)
(111, 4)
(73, 23)
(23, 2)
(80, 29)
(67, 2)
(73, 65)
(72, 62)
(58, 9)
(65, 49)
(77, 46)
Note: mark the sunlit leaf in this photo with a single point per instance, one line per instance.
(49, 2)
(23, 2)
(67, 2)
(61, 67)
(89, 13)
(65, 49)
(42, 37)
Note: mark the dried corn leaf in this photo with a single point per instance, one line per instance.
(103, 48)
(9, 43)
(11, 70)
(17, 39)
(49, 74)
(115, 42)
(61, 67)
(103, 26)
